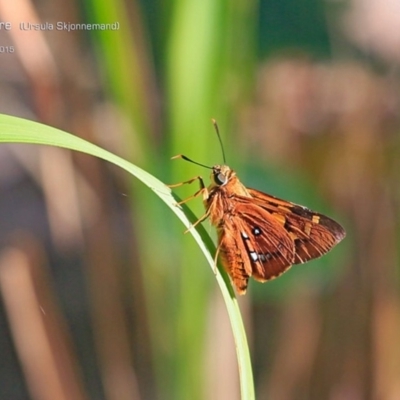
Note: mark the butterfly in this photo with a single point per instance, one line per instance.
(259, 235)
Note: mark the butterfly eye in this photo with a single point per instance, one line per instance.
(220, 179)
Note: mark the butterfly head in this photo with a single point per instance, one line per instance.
(221, 175)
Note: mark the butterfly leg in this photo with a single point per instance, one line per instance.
(203, 190)
(192, 197)
(201, 219)
(198, 177)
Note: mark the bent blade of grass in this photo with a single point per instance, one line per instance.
(18, 130)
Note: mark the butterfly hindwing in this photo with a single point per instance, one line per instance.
(253, 244)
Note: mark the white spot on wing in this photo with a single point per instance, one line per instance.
(245, 236)
(254, 256)
(257, 231)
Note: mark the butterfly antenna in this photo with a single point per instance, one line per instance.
(219, 138)
(188, 159)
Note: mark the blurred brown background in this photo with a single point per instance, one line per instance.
(102, 296)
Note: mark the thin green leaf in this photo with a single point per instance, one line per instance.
(17, 130)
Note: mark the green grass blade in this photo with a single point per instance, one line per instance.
(17, 130)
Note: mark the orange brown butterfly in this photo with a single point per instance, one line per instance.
(259, 235)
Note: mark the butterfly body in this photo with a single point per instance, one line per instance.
(259, 235)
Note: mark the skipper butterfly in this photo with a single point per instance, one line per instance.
(260, 235)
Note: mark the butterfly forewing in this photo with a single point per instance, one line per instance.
(314, 238)
(313, 234)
